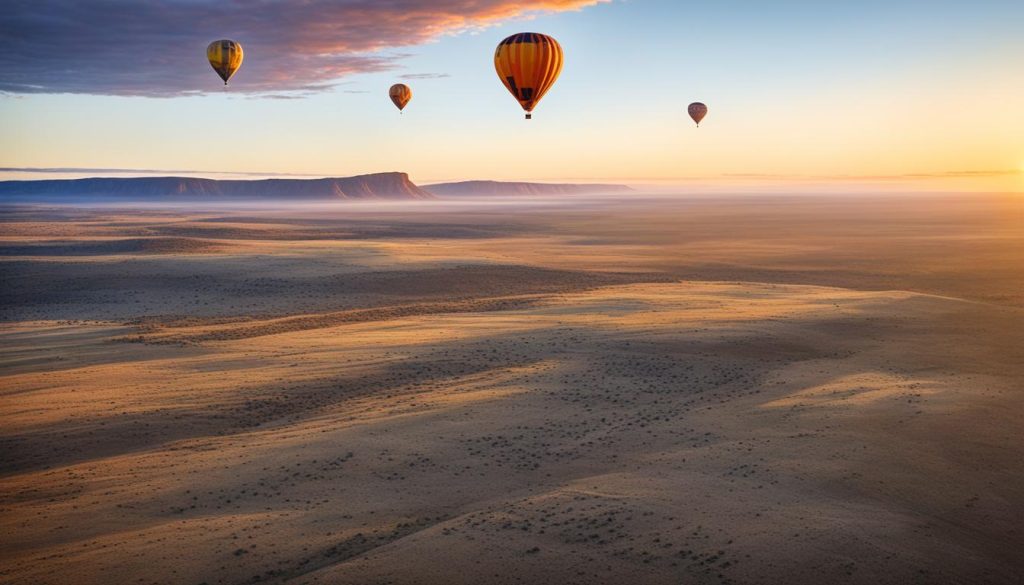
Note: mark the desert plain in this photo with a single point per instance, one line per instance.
(649, 389)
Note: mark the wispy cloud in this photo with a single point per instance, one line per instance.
(424, 76)
(901, 177)
(960, 174)
(157, 48)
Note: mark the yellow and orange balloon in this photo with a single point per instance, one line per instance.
(528, 64)
(400, 94)
(225, 57)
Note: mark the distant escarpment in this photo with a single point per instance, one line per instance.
(499, 189)
(375, 186)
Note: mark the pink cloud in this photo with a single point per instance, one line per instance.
(126, 47)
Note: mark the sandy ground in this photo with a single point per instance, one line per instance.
(696, 391)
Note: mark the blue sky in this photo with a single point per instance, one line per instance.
(796, 89)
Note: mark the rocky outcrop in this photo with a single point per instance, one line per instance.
(375, 186)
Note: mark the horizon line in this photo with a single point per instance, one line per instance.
(911, 176)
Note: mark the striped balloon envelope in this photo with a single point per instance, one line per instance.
(528, 64)
(225, 57)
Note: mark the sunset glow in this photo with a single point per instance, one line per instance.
(914, 96)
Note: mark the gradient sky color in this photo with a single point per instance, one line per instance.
(929, 93)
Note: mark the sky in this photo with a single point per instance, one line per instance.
(897, 94)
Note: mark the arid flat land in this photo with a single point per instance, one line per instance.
(700, 390)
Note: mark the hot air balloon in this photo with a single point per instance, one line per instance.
(225, 57)
(697, 112)
(400, 94)
(528, 64)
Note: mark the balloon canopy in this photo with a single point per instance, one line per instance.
(697, 112)
(400, 94)
(225, 57)
(528, 64)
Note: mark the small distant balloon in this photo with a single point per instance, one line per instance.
(225, 57)
(697, 112)
(528, 64)
(400, 94)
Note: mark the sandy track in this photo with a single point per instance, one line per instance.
(153, 333)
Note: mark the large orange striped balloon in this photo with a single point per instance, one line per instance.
(400, 93)
(225, 57)
(528, 64)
